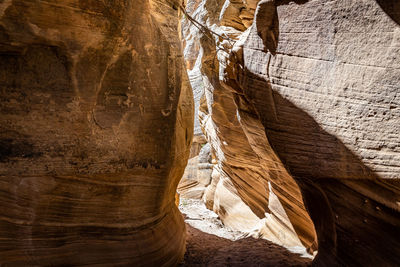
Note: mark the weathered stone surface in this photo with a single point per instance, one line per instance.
(305, 106)
(241, 191)
(301, 107)
(334, 120)
(95, 131)
(197, 175)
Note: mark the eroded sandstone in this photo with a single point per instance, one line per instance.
(301, 107)
(95, 131)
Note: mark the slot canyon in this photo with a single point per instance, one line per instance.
(280, 117)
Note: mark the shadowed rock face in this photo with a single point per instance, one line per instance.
(250, 190)
(302, 113)
(333, 119)
(95, 130)
(305, 104)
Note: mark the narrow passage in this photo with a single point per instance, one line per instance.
(209, 243)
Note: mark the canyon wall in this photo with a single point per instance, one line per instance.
(299, 102)
(96, 122)
(301, 106)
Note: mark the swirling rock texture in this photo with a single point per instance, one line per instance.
(95, 130)
(302, 108)
(247, 193)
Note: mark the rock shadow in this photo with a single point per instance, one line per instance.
(204, 249)
(353, 209)
(391, 8)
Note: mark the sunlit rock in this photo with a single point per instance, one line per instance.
(301, 107)
(95, 131)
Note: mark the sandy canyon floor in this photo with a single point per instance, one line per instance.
(210, 243)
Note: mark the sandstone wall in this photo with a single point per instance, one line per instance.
(95, 130)
(197, 175)
(247, 193)
(302, 107)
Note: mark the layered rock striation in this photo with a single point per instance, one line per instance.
(302, 108)
(299, 101)
(95, 131)
(241, 191)
(197, 175)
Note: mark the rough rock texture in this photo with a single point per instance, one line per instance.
(197, 175)
(247, 193)
(304, 107)
(95, 131)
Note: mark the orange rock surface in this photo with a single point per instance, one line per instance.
(95, 129)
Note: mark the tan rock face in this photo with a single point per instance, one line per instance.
(197, 175)
(242, 190)
(303, 112)
(95, 131)
(300, 107)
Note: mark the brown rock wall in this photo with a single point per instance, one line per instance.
(95, 130)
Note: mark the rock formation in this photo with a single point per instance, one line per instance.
(241, 191)
(302, 108)
(95, 129)
(299, 101)
(197, 175)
